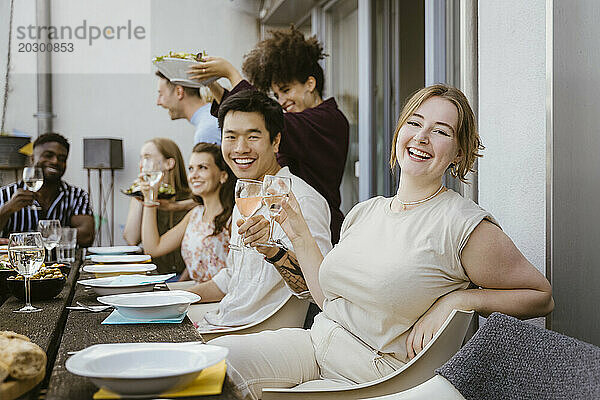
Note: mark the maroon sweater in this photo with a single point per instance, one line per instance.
(314, 145)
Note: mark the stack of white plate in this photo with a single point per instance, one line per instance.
(151, 305)
(120, 258)
(124, 283)
(144, 369)
(105, 270)
(111, 250)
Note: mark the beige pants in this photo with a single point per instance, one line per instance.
(288, 357)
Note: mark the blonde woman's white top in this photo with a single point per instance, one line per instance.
(390, 267)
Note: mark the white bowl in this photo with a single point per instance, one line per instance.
(101, 271)
(176, 70)
(107, 286)
(112, 250)
(159, 305)
(144, 368)
(123, 258)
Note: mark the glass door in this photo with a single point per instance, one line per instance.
(341, 80)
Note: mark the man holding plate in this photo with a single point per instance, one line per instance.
(185, 98)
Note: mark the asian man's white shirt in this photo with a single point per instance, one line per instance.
(253, 288)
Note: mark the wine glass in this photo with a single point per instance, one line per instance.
(26, 254)
(50, 230)
(275, 190)
(33, 178)
(248, 198)
(152, 174)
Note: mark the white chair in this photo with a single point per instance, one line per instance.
(290, 314)
(445, 343)
(437, 388)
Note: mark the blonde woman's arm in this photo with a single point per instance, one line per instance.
(507, 281)
(156, 245)
(180, 205)
(132, 232)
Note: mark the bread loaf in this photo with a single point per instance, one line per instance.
(3, 371)
(22, 358)
(13, 335)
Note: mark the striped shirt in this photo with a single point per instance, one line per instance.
(70, 201)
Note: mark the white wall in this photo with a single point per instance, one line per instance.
(124, 106)
(512, 96)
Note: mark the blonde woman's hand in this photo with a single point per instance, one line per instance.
(291, 219)
(429, 323)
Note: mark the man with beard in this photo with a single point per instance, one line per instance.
(57, 199)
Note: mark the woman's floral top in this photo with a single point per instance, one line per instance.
(204, 254)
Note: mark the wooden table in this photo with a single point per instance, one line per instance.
(43, 328)
(58, 331)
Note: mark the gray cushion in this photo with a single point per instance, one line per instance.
(511, 359)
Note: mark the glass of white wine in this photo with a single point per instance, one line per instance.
(248, 198)
(275, 190)
(26, 254)
(151, 173)
(33, 178)
(50, 230)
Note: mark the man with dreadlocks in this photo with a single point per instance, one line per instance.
(314, 143)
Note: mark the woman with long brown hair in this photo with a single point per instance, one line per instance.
(170, 212)
(203, 234)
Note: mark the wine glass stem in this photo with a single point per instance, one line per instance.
(27, 293)
(242, 237)
(271, 224)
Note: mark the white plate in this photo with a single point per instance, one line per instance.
(107, 286)
(114, 249)
(144, 368)
(3, 248)
(159, 305)
(125, 258)
(105, 270)
(176, 70)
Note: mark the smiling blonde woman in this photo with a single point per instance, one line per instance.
(401, 266)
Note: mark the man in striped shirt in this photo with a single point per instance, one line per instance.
(58, 200)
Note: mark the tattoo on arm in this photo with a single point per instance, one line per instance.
(290, 271)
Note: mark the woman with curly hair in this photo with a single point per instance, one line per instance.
(314, 143)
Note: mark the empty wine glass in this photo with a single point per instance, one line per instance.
(26, 254)
(275, 190)
(33, 179)
(151, 173)
(50, 230)
(248, 197)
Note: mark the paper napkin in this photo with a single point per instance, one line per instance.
(115, 318)
(123, 280)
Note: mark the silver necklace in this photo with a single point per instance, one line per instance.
(413, 203)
